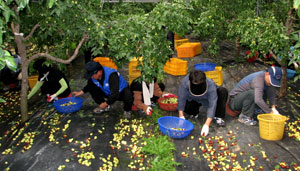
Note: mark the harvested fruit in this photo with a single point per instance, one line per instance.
(68, 104)
(178, 129)
(172, 100)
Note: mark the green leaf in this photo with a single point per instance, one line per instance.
(50, 3)
(2, 100)
(7, 59)
(296, 4)
(6, 14)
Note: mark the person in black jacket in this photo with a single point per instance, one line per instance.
(53, 83)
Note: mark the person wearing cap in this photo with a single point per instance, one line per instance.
(106, 85)
(253, 90)
(52, 82)
(146, 94)
(195, 91)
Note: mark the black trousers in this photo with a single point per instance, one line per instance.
(7, 76)
(125, 96)
(192, 107)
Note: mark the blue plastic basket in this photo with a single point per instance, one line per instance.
(290, 73)
(69, 108)
(166, 123)
(205, 67)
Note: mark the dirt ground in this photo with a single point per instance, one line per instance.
(50, 141)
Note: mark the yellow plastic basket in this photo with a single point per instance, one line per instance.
(271, 126)
(216, 75)
(32, 80)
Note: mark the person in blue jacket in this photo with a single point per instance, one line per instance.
(106, 85)
(196, 90)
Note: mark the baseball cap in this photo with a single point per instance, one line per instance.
(275, 73)
(92, 68)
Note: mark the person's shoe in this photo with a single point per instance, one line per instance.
(219, 121)
(127, 114)
(258, 111)
(98, 110)
(194, 116)
(247, 120)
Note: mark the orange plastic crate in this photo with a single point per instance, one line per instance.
(131, 78)
(132, 66)
(106, 61)
(180, 42)
(216, 75)
(133, 72)
(189, 50)
(176, 67)
(177, 37)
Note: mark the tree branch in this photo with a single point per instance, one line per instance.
(67, 61)
(12, 26)
(275, 57)
(32, 31)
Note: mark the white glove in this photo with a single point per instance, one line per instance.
(205, 130)
(149, 111)
(52, 97)
(275, 111)
(182, 117)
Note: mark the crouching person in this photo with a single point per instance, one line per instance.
(196, 90)
(52, 82)
(146, 94)
(106, 85)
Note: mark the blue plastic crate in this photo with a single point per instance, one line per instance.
(169, 126)
(68, 108)
(205, 67)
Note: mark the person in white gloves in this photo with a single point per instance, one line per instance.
(195, 91)
(255, 89)
(52, 82)
(146, 94)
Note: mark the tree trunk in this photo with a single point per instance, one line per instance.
(24, 86)
(283, 88)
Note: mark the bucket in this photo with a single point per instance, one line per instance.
(290, 73)
(32, 80)
(271, 126)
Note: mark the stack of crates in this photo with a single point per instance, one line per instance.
(180, 42)
(216, 75)
(133, 72)
(106, 61)
(176, 67)
(189, 50)
(176, 36)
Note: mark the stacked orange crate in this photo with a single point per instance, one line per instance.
(189, 50)
(180, 42)
(133, 72)
(176, 67)
(106, 61)
(176, 36)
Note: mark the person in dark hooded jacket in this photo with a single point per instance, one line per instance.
(52, 82)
